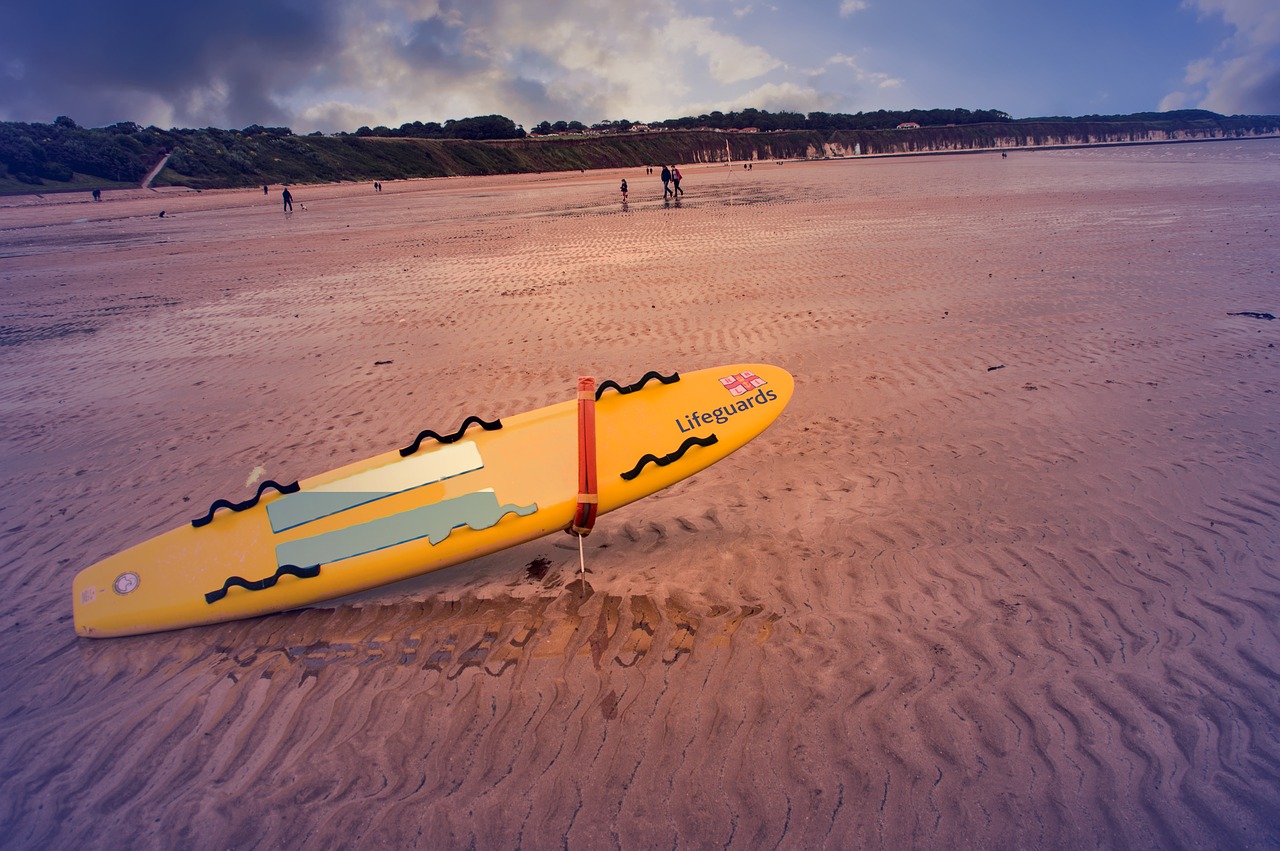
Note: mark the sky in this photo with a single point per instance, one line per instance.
(336, 65)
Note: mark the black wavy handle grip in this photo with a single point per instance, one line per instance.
(448, 438)
(631, 388)
(709, 440)
(243, 506)
(262, 584)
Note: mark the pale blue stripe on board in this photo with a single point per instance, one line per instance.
(479, 510)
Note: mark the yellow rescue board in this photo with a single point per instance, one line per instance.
(440, 501)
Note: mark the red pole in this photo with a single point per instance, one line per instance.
(584, 518)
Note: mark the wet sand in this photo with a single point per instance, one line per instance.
(1004, 574)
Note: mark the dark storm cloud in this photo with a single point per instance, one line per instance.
(337, 64)
(1265, 97)
(97, 62)
(440, 46)
(1259, 92)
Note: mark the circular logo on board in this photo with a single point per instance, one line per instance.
(125, 583)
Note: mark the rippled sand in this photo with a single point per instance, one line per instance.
(1004, 574)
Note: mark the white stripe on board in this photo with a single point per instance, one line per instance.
(361, 488)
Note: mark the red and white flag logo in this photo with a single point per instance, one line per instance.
(743, 382)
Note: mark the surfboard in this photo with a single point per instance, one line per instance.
(441, 500)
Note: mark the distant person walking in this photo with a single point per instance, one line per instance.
(676, 177)
(666, 181)
(264, 189)
(287, 197)
(624, 189)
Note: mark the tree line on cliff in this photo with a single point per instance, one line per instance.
(64, 156)
(760, 120)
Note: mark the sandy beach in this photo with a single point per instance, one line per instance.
(1005, 573)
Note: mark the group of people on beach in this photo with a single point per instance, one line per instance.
(671, 178)
(671, 175)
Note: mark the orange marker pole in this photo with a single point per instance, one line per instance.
(584, 518)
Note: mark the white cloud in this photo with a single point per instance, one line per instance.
(848, 7)
(728, 59)
(878, 79)
(1244, 74)
(1256, 22)
(571, 59)
(790, 97)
